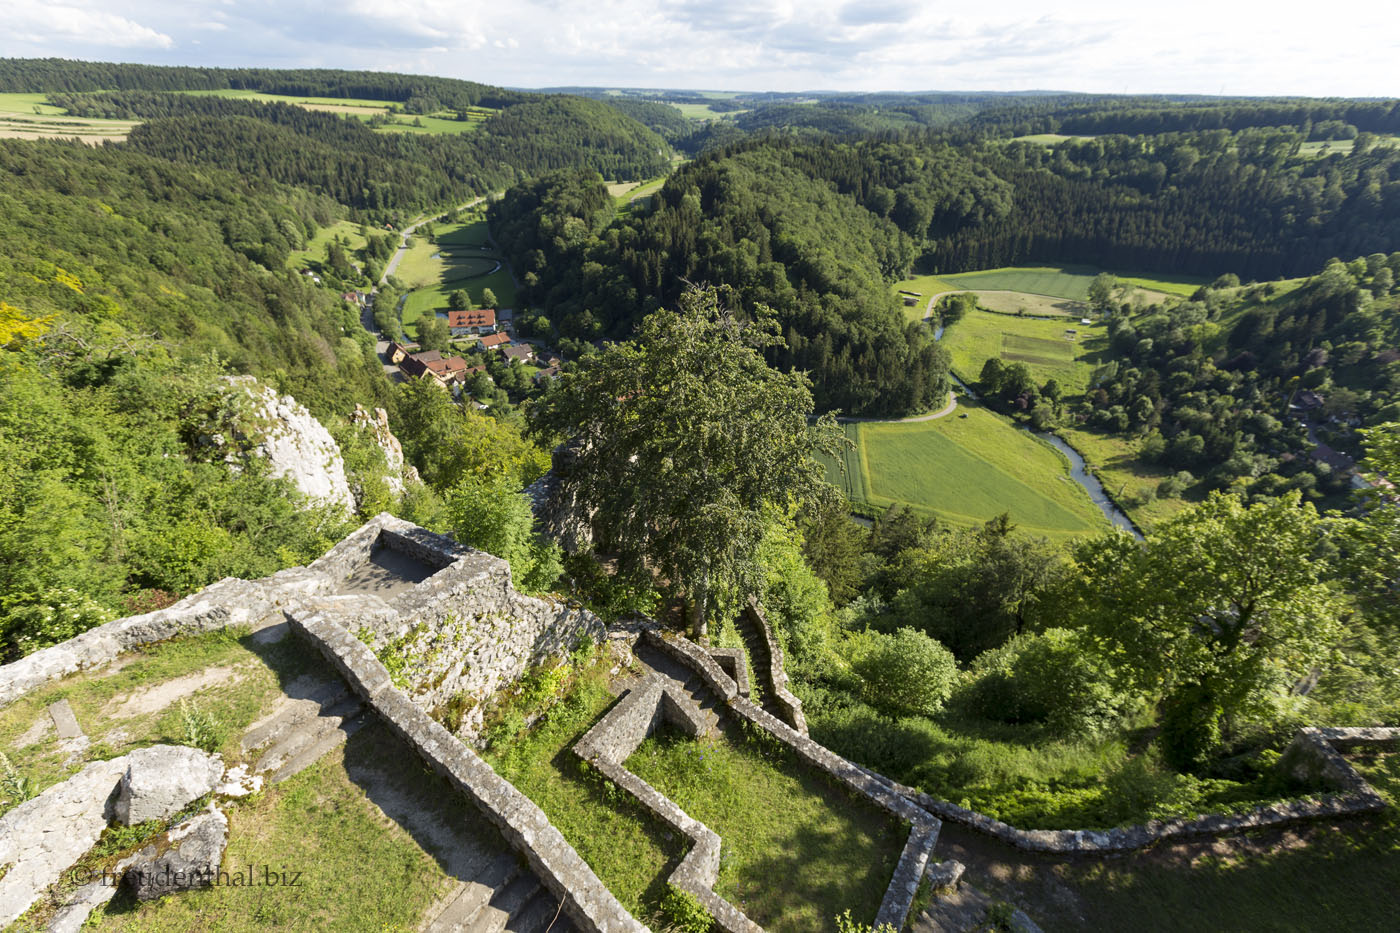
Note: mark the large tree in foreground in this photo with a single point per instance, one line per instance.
(680, 439)
(1222, 607)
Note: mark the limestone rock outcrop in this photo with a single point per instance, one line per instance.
(295, 445)
(162, 779)
(401, 472)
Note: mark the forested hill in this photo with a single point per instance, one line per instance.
(820, 231)
(754, 220)
(424, 93)
(381, 172)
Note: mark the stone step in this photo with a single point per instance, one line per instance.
(297, 711)
(494, 916)
(474, 895)
(542, 910)
(309, 755)
(308, 731)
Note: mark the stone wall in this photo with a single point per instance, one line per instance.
(923, 833)
(465, 633)
(1312, 754)
(775, 678)
(525, 827)
(615, 737)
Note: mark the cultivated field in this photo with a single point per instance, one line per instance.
(1046, 346)
(1022, 303)
(965, 471)
(29, 116)
(441, 122)
(1065, 281)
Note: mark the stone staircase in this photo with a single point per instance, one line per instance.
(502, 898)
(689, 681)
(498, 895)
(760, 666)
(320, 717)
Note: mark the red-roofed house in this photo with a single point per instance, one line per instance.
(494, 341)
(479, 321)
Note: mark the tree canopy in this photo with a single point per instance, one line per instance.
(680, 439)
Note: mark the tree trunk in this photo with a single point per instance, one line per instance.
(699, 610)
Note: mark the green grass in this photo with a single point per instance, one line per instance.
(1063, 281)
(464, 255)
(848, 475)
(926, 286)
(1040, 344)
(317, 246)
(259, 672)
(795, 850)
(360, 871)
(25, 103)
(966, 471)
(628, 849)
(640, 194)
(431, 125)
(704, 112)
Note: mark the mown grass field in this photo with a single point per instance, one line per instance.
(846, 474)
(634, 194)
(1064, 281)
(461, 258)
(796, 849)
(965, 471)
(1043, 345)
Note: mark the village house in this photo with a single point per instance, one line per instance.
(494, 341)
(478, 321)
(398, 351)
(524, 353)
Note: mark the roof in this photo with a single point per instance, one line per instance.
(428, 356)
(495, 340)
(481, 317)
(517, 353)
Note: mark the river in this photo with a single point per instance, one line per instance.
(1077, 469)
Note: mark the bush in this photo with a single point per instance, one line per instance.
(907, 673)
(684, 912)
(493, 516)
(1049, 678)
(1190, 729)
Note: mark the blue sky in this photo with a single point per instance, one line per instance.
(1189, 46)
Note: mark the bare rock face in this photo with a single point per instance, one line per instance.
(162, 779)
(401, 472)
(295, 445)
(188, 858)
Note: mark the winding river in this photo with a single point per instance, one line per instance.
(1077, 469)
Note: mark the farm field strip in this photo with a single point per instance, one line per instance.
(461, 258)
(1043, 345)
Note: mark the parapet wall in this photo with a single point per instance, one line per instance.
(589, 903)
(924, 827)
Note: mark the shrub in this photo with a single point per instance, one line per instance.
(684, 912)
(1190, 728)
(907, 673)
(1049, 678)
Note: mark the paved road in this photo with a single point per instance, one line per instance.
(408, 232)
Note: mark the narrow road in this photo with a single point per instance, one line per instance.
(943, 412)
(408, 232)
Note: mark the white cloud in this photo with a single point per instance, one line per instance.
(39, 23)
(1192, 46)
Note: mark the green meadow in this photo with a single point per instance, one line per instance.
(1046, 346)
(318, 246)
(461, 258)
(965, 469)
(1064, 281)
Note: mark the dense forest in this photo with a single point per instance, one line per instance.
(381, 172)
(818, 231)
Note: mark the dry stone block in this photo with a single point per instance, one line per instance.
(188, 858)
(162, 779)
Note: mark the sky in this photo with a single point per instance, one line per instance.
(1188, 46)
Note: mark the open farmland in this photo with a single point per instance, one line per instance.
(965, 469)
(30, 116)
(1065, 281)
(1047, 346)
